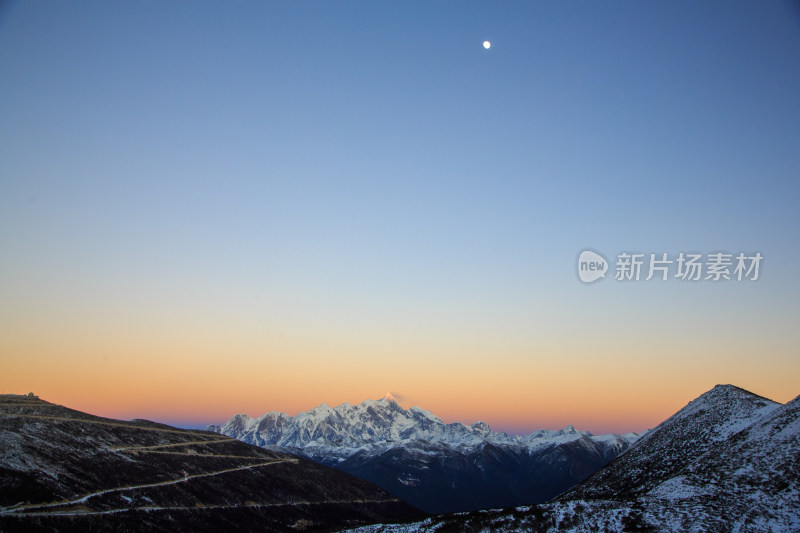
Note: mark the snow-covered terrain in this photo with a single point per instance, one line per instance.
(436, 466)
(335, 433)
(728, 461)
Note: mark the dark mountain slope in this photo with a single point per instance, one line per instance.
(677, 444)
(69, 471)
(727, 462)
(435, 466)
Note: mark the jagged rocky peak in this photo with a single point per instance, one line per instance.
(389, 398)
(414, 454)
(481, 427)
(718, 413)
(341, 430)
(732, 393)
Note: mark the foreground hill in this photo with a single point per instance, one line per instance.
(69, 471)
(728, 461)
(435, 466)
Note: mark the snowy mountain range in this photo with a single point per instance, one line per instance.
(437, 467)
(728, 461)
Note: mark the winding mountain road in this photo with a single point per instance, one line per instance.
(15, 510)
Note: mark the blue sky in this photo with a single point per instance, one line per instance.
(369, 167)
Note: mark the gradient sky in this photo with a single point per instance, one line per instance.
(210, 208)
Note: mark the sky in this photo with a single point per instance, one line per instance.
(216, 208)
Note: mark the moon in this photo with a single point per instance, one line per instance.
(487, 44)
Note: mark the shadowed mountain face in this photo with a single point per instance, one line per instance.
(440, 479)
(694, 434)
(69, 471)
(435, 466)
(728, 461)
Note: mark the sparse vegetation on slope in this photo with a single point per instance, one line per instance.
(66, 470)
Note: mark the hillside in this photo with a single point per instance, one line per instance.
(69, 471)
(728, 461)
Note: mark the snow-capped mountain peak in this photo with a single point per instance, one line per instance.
(728, 461)
(717, 414)
(570, 429)
(379, 424)
(415, 454)
(389, 397)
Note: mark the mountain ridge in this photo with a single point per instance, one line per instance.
(65, 470)
(436, 466)
(727, 461)
(373, 422)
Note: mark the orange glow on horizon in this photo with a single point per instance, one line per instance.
(178, 375)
